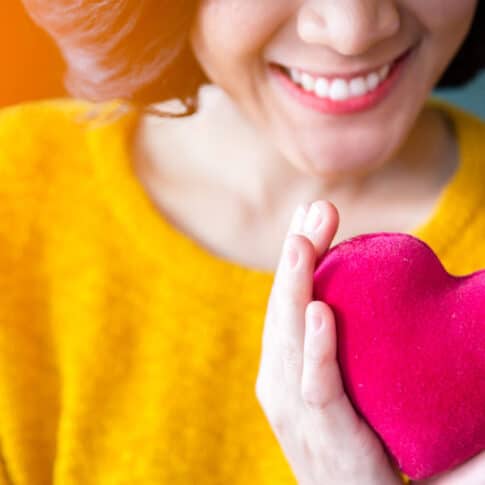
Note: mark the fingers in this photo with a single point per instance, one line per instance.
(311, 231)
(318, 222)
(320, 383)
(294, 291)
(322, 389)
(298, 220)
(321, 225)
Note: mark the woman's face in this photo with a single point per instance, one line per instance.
(354, 98)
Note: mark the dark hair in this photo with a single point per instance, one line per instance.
(138, 50)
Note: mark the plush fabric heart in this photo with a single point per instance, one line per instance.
(411, 348)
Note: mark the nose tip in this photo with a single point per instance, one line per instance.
(350, 27)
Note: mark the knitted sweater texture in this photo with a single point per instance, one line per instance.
(128, 352)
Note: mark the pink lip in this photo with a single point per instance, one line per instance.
(351, 105)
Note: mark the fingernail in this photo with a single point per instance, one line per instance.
(313, 219)
(292, 255)
(297, 220)
(316, 320)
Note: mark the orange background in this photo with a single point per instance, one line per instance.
(31, 66)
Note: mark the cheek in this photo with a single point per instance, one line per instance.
(442, 18)
(444, 25)
(234, 30)
(440, 13)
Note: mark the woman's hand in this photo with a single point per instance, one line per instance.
(299, 385)
(472, 472)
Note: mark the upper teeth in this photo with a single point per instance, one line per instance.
(340, 89)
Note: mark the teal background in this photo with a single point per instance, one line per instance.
(471, 96)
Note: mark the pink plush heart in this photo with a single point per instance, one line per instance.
(411, 348)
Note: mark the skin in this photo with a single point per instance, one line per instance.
(282, 155)
(234, 39)
(299, 385)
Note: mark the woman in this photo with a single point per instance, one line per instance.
(143, 253)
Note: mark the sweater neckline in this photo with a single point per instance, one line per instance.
(148, 228)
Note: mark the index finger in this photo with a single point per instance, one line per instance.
(293, 285)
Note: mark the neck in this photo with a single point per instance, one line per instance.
(224, 150)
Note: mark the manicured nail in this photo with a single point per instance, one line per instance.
(313, 219)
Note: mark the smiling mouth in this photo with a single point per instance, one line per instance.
(341, 87)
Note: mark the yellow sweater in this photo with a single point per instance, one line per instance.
(129, 353)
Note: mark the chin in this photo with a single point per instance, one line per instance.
(359, 148)
(344, 162)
